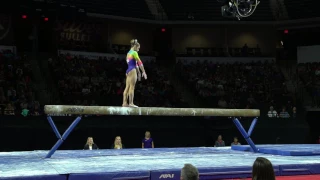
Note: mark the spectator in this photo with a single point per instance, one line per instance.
(294, 112)
(318, 141)
(147, 142)
(36, 110)
(117, 143)
(90, 145)
(189, 172)
(235, 142)
(25, 111)
(284, 113)
(262, 170)
(222, 103)
(244, 50)
(219, 142)
(272, 113)
(9, 110)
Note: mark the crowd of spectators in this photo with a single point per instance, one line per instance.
(309, 73)
(237, 85)
(83, 81)
(16, 92)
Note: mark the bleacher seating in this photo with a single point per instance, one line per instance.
(16, 89)
(102, 81)
(310, 76)
(251, 85)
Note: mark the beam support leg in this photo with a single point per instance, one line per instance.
(63, 137)
(247, 135)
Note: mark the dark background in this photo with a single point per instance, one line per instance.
(34, 133)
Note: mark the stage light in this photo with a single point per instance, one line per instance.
(24, 16)
(286, 31)
(163, 30)
(46, 19)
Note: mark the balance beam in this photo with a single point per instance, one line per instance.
(146, 111)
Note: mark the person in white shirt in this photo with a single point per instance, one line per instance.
(272, 113)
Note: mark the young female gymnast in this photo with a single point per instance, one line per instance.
(117, 143)
(133, 73)
(147, 142)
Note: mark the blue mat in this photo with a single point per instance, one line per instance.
(284, 150)
(146, 164)
(39, 177)
(115, 176)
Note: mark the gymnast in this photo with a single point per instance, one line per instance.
(133, 73)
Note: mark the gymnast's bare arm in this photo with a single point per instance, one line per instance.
(140, 65)
(138, 73)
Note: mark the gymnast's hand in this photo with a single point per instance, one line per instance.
(144, 75)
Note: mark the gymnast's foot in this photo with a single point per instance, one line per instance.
(125, 105)
(132, 105)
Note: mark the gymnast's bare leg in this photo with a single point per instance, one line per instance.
(129, 90)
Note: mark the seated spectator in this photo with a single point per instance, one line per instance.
(90, 145)
(219, 142)
(25, 111)
(9, 110)
(294, 112)
(262, 170)
(284, 113)
(189, 172)
(222, 103)
(272, 113)
(117, 143)
(235, 142)
(36, 109)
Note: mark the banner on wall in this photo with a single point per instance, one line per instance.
(308, 54)
(5, 27)
(13, 49)
(78, 35)
(74, 31)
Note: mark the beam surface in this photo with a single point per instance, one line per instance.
(148, 111)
